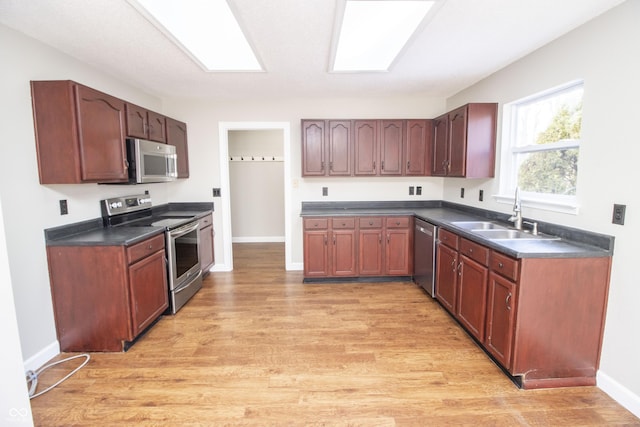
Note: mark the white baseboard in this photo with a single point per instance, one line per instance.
(295, 266)
(42, 357)
(619, 393)
(258, 239)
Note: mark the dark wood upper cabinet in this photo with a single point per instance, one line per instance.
(80, 133)
(365, 141)
(464, 142)
(313, 147)
(145, 124)
(177, 136)
(391, 147)
(417, 147)
(327, 148)
(339, 147)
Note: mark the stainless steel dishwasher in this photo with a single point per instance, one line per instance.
(424, 255)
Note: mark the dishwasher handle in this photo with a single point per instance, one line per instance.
(424, 230)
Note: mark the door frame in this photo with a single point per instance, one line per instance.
(225, 186)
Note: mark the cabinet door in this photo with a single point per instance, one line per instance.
(417, 147)
(440, 154)
(398, 261)
(370, 252)
(472, 296)
(101, 120)
(500, 318)
(137, 123)
(206, 248)
(313, 142)
(339, 147)
(157, 127)
(391, 145)
(148, 290)
(458, 141)
(177, 136)
(447, 276)
(343, 259)
(316, 253)
(365, 140)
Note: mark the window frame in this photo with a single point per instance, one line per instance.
(509, 163)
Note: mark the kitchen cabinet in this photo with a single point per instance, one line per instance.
(447, 270)
(391, 147)
(542, 319)
(326, 148)
(357, 246)
(106, 296)
(464, 142)
(207, 234)
(329, 247)
(472, 287)
(365, 142)
(177, 136)
(417, 147)
(145, 124)
(80, 134)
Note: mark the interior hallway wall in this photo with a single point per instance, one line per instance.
(256, 177)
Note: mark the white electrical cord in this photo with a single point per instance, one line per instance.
(32, 377)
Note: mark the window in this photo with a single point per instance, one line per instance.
(541, 145)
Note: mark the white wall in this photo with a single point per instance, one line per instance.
(29, 207)
(257, 190)
(604, 53)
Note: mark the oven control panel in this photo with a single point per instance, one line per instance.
(127, 204)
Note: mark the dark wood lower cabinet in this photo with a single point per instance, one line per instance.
(542, 319)
(105, 296)
(357, 247)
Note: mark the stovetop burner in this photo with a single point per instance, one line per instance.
(135, 211)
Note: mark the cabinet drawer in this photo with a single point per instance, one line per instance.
(145, 248)
(205, 221)
(338, 223)
(397, 222)
(316, 223)
(504, 265)
(448, 238)
(474, 251)
(370, 222)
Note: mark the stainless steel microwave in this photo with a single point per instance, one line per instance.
(151, 161)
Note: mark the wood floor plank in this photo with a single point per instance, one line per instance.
(257, 347)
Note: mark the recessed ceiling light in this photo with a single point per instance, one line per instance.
(206, 30)
(373, 32)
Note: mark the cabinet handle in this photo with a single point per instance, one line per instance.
(470, 250)
(322, 166)
(500, 265)
(374, 165)
(397, 222)
(507, 301)
(408, 163)
(460, 269)
(334, 240)
(331, 166)
(381, 165)
(453, 265)
(325, 240)
(150, 247)
(370, 222)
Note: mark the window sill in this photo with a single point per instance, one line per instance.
(565, 207)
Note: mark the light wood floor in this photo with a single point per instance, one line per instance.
(256, 347)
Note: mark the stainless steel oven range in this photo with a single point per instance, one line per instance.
(182, 242)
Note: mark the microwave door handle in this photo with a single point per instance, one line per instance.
(172, 163)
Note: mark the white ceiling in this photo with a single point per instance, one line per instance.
(462, 42)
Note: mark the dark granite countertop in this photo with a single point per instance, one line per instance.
(572, 242)
(94, 233)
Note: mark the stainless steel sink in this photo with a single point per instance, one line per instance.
(509, 234)
(478, 225)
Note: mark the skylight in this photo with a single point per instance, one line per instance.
(373, 32)
(206, 30)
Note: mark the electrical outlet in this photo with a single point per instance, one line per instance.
(462, 193)
(325, 191)
(618, 214)
(481, 195)
(418, 191)
(216, 192)
(411, 190)
(63, 207)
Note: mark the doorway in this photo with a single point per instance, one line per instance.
(228, 132)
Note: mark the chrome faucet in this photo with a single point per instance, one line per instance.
(516, 218)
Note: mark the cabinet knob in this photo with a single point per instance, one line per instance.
(470, 250)
(500, 265)
(150, 247)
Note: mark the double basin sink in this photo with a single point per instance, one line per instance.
(492, 231)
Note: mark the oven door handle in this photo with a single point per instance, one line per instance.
(185, 229)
